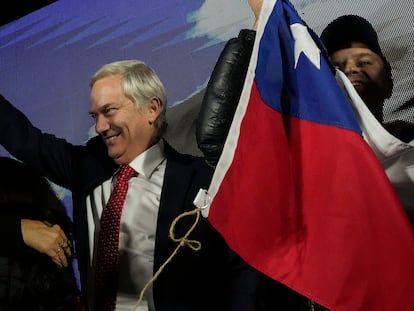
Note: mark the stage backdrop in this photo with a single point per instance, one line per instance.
(47, 57)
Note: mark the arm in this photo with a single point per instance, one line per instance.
(224, 90)
(44, 152)
(222, 95)
(256, 7)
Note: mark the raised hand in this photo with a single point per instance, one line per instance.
(256, 6)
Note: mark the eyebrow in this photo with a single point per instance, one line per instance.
(100, 109)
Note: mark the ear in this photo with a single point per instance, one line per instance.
(154, 109)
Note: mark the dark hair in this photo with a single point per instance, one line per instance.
(34, 282)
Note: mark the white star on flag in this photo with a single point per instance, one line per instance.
(304, 43)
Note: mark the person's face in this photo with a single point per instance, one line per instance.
(126, 130)
(366, 71)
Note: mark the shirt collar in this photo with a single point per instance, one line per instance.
(146, 163)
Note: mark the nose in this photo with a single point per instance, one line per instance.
(350, 67)
(101, 124)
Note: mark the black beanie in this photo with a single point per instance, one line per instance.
(346, 29)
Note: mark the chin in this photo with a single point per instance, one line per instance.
(113, 155)
(360, 90)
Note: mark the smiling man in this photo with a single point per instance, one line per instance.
(352, 44)
(118, 260)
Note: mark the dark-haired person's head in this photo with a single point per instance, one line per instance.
(352, 45)
(34, 282)
(28, 192)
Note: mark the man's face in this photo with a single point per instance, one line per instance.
(366, 71)
(126, 130)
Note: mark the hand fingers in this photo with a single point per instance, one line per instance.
(61, 248)
(57, 262)
(60, 257)
(65, 245)
(62, 242)
(48, 239)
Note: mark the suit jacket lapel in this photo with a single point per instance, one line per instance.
(173, 198)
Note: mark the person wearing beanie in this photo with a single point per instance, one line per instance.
(352, 44)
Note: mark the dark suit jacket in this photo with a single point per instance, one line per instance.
(213, 278)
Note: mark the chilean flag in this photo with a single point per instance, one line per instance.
(297, 191)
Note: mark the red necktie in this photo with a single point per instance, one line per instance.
(107, 253)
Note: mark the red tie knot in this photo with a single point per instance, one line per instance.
(126, 172)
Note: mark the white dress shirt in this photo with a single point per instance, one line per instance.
(137, 230)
